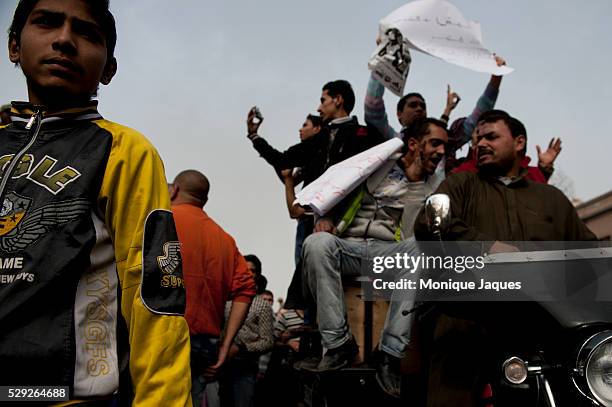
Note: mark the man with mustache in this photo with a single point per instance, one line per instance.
(369, 223)
(498, 203)
(501, 144)
(540, 173)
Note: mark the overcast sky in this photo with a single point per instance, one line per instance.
(189, 70)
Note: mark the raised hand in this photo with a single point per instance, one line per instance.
(547, 158)
(413, 165)
(253, 122)
(500, 61)
(452, 99)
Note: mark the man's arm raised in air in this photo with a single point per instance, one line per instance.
(294, 156)
(485, 103)
(374, 109)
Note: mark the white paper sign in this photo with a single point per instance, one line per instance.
(340, 179)
(437, 28)
(390, 62)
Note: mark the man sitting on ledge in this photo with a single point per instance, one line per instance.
(370, 222)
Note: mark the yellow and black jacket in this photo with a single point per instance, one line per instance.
(91, 289)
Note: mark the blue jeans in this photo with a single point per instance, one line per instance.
(204, 351)
(305, 225)
(326, 259)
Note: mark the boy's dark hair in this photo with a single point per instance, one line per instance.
(419, 129)
(256, 262)
(514, 125)
(315, 119)
(268, 292)
(100, 11)
(344, 89)
(402, 102)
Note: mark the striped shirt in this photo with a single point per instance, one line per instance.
(287, 320)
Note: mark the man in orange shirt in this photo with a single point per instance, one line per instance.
(214, 272)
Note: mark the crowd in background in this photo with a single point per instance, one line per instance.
(311, 334)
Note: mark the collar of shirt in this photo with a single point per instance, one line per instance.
(512, 180)
(341, 120)
(21, 112)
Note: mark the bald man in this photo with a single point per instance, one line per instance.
(215, 272)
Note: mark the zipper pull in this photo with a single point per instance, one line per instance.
(31, 121)
(37, 114)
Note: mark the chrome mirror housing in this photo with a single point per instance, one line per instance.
(437, 211)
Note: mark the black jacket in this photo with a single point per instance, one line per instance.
(91, 291)
(335, 143)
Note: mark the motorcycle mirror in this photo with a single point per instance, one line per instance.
(437, 210)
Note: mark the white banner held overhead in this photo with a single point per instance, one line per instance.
(437, 28)
(340, 179)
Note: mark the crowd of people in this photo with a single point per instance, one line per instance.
(121, 287)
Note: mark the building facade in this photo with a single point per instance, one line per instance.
(597, 215)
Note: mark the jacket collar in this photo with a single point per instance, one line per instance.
(21, 112)
(342, 121)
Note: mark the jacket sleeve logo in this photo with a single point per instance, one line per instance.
(169, 262)
(162, 289)
(19, 229)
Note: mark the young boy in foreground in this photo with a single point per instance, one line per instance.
(91, 283)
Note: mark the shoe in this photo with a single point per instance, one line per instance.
(338, 358)
(308, 364)
(388, 374)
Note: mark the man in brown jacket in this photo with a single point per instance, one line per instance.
(496, 204)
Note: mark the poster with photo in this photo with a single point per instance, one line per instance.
(390, 62)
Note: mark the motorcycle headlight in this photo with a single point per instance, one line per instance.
(594, 368)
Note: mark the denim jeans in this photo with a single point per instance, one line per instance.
(204, 350)
(305, 224)
(326, 259)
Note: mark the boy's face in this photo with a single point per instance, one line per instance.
(308, 130)
(251, 267)
(62, 52)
